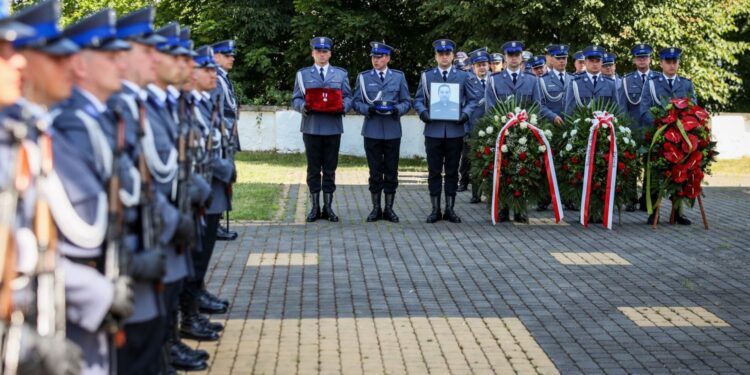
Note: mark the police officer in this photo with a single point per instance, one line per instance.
(79, 207)
(580, 62)
(461, 61)
(224, 56)
(512, 82)
(662, 87)
(20, 120)
(321, 132)
(609, 68)
(382, 96)
(480, 65)
(592, 84)
(161, 155)
(145, 329)
(444, 138)
(538, 66)
(634, 82)
(496, 62)
(554, 83)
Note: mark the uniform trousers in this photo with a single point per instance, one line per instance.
(142, 350)
(202, 259)
(382, 159)
(465, 164)
(443, 154)
(171, 302)
(322, 153)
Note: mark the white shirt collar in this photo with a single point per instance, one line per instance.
(173, 91)
(100, 107)
(557, 72)
(132, 86)
(672, 77)
(325, 68)
(591, 76)
(647, 73)
(518, 72)
(385, 72)
(206, 95)
(196, 95)
(444, 70)
(158, 92)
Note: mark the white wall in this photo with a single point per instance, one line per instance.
(277, 128)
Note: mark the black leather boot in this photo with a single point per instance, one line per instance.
(449, 214)
(436, 214)
(388, 213)
(196, 354)
(679, 218)
(213, 297)
(209, 306)
(520, 217)
(475, 194)
(377, 212)
(504, 215)
(192, 327)
(328, 209)
(314, 213)
(181, 359)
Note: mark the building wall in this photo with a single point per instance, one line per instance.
(277, 128)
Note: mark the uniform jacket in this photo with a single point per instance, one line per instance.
(681, 88)
(632, 87)
(368, 88)
(321, 123)
(605, 88)
(501, 87)
(553, 94)
(469, 101)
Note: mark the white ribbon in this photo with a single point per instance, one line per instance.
(611, 172)
(99, 143)
(546, 93)
(364, 91)
(163, 172)
(627, 95)
(128, 199)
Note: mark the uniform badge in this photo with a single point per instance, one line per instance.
(513, 44)
(442, 43)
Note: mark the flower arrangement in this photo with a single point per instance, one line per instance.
(598, 161)
(680, 152)
(510, 156)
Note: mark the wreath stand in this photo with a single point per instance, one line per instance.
(674, 213)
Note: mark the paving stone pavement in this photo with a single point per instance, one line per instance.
(382, 298)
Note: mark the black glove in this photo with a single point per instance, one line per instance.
(371, 111)
(208, 201)
(425, 117)
(185, 233)
(234, 176)
(148, 265)
(53, 355)
(463, 119)
(122, 302)
(306, 111)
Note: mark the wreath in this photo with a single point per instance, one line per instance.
(516, 174)
(598, 161)
(680, 153)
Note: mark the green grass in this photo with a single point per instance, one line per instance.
(261, 175)
(732, 167)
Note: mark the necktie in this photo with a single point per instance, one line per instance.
(562, 79)
(382, 77)
(643, 77)
(445, 75)
(515, 77)
(322, 76)
(484, 84)
(670, 83)
(593, 78)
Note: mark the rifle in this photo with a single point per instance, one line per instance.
(184, 141)
(150, 223)
(114, 257)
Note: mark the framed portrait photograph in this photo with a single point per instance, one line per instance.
(445, 101)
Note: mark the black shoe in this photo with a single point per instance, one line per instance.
(213, 297)
(682, 220)
(541, 207)
(504, 215)
(314, 213)
(388, 213)
(642, 204)
(180, 360)
(328, 209)
(213, 326)
(475, 199)
(192, 328)
(630, 207)
(520, 218)
(223, 235)
(462, 187)
(651, 219)
(208, 306)
(196, 354)
(377, 212)
(449, 214)
(230, 233)
(436, 215)
(595, 221)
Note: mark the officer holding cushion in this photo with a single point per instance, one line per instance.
(382, 96)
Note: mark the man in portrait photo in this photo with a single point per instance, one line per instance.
(444, 108)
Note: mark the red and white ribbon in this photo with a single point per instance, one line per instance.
(601, 119)
(517, 119)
